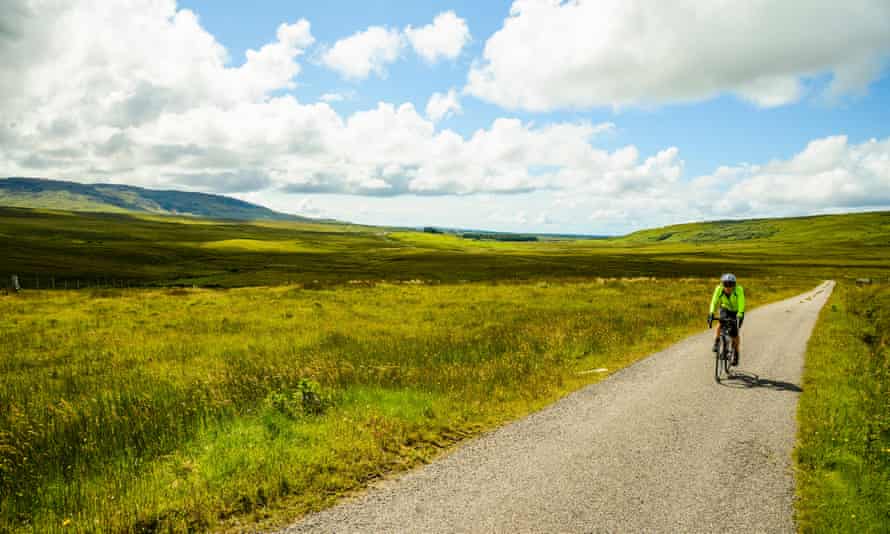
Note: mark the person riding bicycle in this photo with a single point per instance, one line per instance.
(730, 297)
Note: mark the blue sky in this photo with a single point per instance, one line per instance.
(587, 116)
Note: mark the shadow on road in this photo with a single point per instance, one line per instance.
(746, 380)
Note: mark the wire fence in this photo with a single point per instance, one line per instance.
(14, 283)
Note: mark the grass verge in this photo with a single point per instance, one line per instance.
(843, 453)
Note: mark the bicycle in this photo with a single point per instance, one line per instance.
(725, 349)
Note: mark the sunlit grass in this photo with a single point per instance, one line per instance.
(843, 455)
(256, 245)
(184, 409)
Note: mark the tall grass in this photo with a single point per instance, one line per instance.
(179, 410)
(843, 454)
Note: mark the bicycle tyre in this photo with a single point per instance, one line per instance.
(717, 357)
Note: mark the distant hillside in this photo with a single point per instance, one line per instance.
(872, 228)
(53, 194)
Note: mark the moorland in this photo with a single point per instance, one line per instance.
(212, 374)
(111, 249)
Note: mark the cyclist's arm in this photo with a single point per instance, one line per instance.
(741, 293)
(714, 299)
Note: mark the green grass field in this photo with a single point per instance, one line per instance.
(103, 249)
(313, 358)
(188, 409)
(843, 455)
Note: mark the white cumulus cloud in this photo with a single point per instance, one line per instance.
(363, 53)
(127, 62)
(441, 106)
(582, 53)
(338, 97)
(444, 38)
(828, 173)
(370, 51)
(169, 110)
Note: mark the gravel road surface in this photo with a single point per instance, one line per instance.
(657, 447)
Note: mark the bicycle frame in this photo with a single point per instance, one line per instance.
(725, 326)
(724, 356)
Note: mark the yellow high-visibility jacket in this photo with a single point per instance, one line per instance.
(735, 301)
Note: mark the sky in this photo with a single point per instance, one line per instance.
(572, 116)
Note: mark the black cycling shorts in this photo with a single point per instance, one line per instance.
(733, 323)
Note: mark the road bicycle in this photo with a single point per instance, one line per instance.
(725, 350)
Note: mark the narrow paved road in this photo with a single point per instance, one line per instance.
(657, 447)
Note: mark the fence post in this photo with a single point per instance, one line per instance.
(15, 283)
(53, 281)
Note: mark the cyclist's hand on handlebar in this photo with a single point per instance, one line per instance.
(710, 319)
(741, 319)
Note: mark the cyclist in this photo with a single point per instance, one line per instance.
(730, 297)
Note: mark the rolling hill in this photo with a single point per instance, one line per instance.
(858, 230)
(145, 248)
(53, 194)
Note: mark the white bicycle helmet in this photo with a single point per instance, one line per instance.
(728, 278)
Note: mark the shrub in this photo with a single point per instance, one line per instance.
(306, 399)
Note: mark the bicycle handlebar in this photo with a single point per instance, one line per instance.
(721, 321)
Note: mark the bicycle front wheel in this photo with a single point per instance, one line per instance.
(727, 363)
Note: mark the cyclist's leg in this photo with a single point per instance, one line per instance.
(717, 337)
(736, 342)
